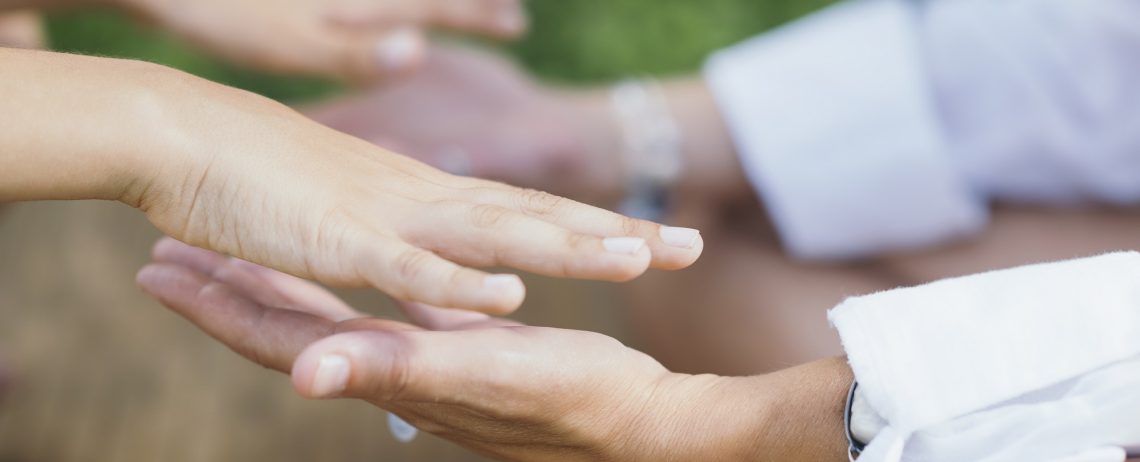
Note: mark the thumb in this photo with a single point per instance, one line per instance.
(363, 56)
(386, 367)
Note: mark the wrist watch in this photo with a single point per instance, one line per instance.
(861, 422)
(854, 446)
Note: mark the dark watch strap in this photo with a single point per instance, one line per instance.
(854, 447)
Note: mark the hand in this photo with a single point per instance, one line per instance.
(352, 39)
(243, 175)
(474, 112)
(502, 389)
(263, 183)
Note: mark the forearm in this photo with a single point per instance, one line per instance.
(76, 127)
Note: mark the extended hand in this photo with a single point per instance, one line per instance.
(243, 175)
(256, 180)
(503, 389)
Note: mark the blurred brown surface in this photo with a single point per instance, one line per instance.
(105, 374)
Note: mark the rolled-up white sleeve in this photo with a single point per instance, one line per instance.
(1033, 363)
(879, 125)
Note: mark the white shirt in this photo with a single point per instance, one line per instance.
(878, 125)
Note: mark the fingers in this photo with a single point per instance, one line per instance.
(270, 337)
(494, 18)
(356, 56)
(433, 318)
(497, 236)
(441, 367)
(671, 248)
(407, 272)
(169, 250)
(262, 285)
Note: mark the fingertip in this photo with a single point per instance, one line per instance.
(511, 23)
(505, 19)
(164, 247)
(504, 293)
(677, 248)
(400, 51)
(148, 276)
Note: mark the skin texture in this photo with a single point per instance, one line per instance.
(509, 391)
(354, 40)
(228, 170)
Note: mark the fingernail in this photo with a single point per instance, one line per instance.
(684, 238)
(505, 283)
(623, 245)
(398, 50)
(331, 377)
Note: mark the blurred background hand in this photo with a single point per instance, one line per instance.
(472, 111)
(475, 112)
(497, 387)
(349, 39)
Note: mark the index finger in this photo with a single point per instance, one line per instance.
(267, 336)
(496, 18)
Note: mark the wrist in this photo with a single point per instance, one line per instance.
(795, 414)
(705, 417)
(156, 104)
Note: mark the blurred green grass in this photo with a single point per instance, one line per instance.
(571, 41)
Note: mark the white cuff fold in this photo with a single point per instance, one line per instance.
(1033, 363)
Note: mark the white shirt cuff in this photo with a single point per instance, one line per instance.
(1036, 362)
(836, 129)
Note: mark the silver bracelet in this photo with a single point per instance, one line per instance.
(652, 147)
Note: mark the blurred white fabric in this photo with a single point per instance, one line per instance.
(1034, 363)
(877, 125)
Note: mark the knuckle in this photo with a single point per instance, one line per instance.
(410, 265)
(397, 377)
(632, 226)
(489, 216)
(537, 202)
(576, 241)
